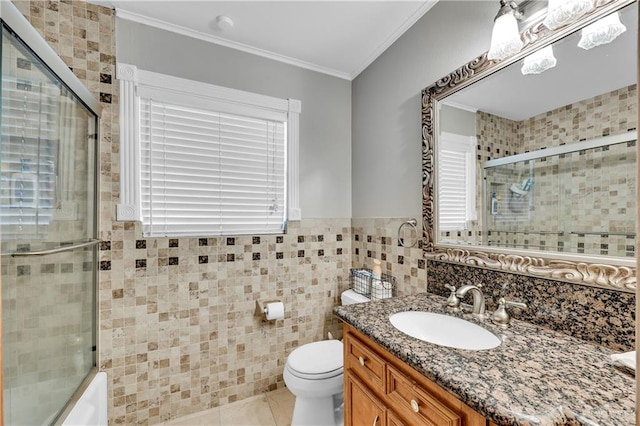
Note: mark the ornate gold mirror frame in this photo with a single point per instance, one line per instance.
(552, 266)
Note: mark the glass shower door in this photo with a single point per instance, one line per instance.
(47, 234)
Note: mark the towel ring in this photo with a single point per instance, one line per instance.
(412, 223)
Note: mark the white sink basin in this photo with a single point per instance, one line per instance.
(444, 330)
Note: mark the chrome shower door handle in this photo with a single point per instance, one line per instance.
(55, 250)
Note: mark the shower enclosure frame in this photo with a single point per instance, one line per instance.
(13, 20)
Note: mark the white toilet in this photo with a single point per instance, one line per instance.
(313, 373)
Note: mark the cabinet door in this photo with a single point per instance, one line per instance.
(362, 407)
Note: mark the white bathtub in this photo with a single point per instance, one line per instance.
(91, 408)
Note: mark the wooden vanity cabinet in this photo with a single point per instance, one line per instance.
(365, 408)
(381, 390)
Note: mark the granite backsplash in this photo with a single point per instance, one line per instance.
(605, 317)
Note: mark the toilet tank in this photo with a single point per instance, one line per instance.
(350, 297)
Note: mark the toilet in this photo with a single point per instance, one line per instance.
(313, 373)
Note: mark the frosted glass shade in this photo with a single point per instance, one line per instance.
(505, 38)
(563, 12)
(602, 31)
(540, 61)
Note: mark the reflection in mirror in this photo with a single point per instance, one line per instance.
(554, 153)
(579, 200)
(530, 168)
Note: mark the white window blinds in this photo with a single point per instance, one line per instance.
(210, 172)
(198, 159)
(29, 156)
(456, 182)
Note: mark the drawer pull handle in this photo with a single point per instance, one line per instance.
(375, 421)
(361, 359)
(414, 406)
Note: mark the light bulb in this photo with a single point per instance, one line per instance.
(539, 61)
(505, 38)
(602, 31)
(564, 12)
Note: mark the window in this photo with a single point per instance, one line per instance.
(47, 139)
(456, 181)
(29, 153)
(211, 160)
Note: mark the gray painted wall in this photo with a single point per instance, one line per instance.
(360, 141)
(325, 122)
(386, 133)
(457, 121)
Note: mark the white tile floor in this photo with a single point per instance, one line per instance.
(270, 409)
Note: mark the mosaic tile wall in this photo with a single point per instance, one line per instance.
(572, 194)
(177, 330)
(496, 137)
(602, 316)
(598, 177)
(607, 114)
(82, 35)
(378, 239)
(47, 332)
(47, 302)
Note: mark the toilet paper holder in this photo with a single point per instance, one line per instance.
(261, 308)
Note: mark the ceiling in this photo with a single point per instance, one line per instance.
(342, 38)
(339, 38)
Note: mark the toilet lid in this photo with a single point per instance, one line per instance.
(317, 358)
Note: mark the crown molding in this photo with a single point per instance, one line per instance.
(156, 23)
(459, 106)
(424, 8)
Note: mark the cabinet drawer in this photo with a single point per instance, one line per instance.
(416, 405)
(394, 420)
(364, 362)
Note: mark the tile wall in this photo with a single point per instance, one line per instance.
(177, 331)
(573, 191)
(47, 331)
(47, 297)
(607, 114)
(46, 306)
(378, 239)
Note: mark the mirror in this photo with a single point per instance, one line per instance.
(536, 174)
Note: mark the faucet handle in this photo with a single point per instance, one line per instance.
(453, 301)
(514, 304)
(501, 316)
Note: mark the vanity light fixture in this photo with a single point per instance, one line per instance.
(602, 31)
(563, 12)
(539, 61)
(505, 37)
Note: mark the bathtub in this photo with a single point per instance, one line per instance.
(91, 407)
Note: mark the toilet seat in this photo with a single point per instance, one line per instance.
(320, 376)
(316, 361)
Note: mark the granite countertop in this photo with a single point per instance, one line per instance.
(537, 376)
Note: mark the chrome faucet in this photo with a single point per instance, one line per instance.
(479, 309)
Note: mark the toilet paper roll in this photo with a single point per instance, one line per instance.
(274, 311)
